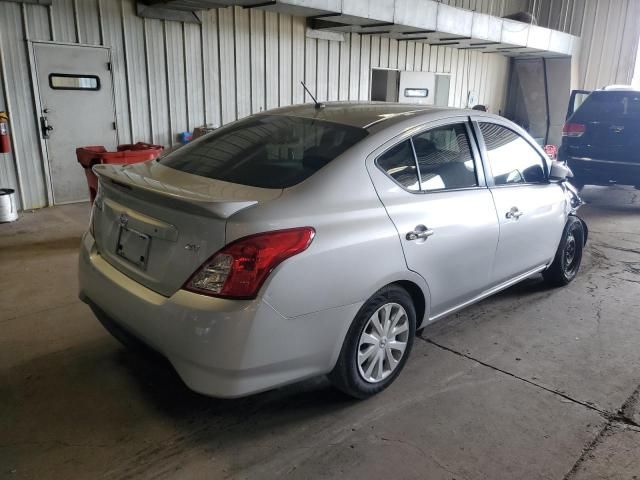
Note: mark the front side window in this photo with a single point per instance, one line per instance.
(400, 164)
(444, 158)
(267, 151)
(511, 158)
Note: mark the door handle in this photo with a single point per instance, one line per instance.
(514, 213)
(45, 127)
(419, 233)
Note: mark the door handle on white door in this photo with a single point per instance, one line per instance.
(514, 213)
(419, 233)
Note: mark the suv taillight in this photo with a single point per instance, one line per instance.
(573, 130)
(240, 268)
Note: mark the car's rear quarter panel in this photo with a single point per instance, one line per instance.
(356, 249)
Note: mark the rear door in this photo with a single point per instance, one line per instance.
(430, 184)
(530, 209)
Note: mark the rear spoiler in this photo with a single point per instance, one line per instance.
(114, 177)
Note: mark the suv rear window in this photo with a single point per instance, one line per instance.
(268, 151)
(610, 106)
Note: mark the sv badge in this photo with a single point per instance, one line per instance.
(192, 247)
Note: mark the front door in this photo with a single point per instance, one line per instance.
(76, 99)
(434, 193)
(531, 210)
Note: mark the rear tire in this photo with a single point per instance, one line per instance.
(568, 257)
(377, 344)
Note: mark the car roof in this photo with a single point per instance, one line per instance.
(369, 114)
(619, 88)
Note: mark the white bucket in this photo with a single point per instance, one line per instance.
(8, 207)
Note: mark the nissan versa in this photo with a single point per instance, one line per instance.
(314, 240)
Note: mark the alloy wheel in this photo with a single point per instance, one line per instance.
(383, 342)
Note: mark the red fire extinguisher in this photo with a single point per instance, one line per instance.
(5, 142)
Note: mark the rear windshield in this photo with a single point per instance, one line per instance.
(610, 106)
(268, 151)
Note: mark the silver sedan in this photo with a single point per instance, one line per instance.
(309, 240)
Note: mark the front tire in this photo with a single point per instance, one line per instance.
(568, 257)
(377, 344)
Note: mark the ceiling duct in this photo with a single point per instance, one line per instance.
(176, 10)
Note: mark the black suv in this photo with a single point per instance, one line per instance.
(601, 139)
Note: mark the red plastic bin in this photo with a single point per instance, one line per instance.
(127, 153)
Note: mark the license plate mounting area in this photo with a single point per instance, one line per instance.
(133, 246)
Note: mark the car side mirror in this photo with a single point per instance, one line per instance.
(559, 172)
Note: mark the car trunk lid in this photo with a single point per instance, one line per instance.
(157, 225)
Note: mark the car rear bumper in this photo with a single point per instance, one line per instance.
(602, 172)
(223, 348)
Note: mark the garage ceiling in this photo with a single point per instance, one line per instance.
(425, 21)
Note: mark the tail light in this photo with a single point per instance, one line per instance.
(240, 268)
(573, 130)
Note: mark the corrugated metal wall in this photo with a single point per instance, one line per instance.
(609, 29)
(610, 33)
(170, 77)
(563, 15)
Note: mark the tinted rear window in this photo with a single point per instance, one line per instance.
(610, 106)
(268, 151)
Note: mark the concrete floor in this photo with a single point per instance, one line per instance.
(532, 383)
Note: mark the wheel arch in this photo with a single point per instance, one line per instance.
(585, 228)
(418, 297)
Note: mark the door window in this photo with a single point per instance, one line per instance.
(400, 164)
(66, 81)
(511, 158)
(444, 158)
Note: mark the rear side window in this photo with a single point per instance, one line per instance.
(511, 159)
(444, 158)
(400, 164)
(611, 106)
(268, 151)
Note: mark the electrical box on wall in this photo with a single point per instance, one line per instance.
(417, 87)
(424, 88)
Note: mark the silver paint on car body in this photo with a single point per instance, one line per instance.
(296, 326)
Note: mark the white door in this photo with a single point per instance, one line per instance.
(531, 210)
(432, 187)
(75, 88)
(443, 84)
